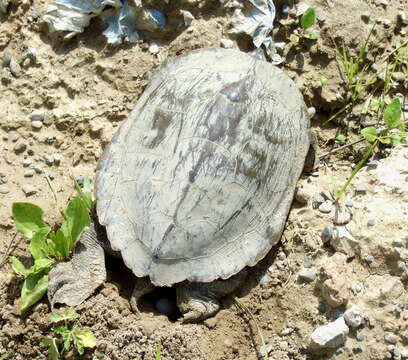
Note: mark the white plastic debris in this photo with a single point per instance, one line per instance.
(72, 16)
(258, 23)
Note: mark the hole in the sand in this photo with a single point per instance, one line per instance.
(163, 301)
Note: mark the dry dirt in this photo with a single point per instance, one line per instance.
(87, 88)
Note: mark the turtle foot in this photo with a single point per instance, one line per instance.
(72, 282)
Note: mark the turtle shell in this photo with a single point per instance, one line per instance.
(198, 181)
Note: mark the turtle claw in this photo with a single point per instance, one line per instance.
(73, 282)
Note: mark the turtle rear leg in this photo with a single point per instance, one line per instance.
(142, 287)
(74, 281)
(199, 301)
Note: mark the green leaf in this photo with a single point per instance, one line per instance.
(18, 266)
(341, 139)
(77, 219)
(395, 140)
(392, 115)
(41, 267)
(369, 133)
(385, 140)
(375, 105)
(28, 218)
(312, 36)
(85, 193)
(52, 348)
(159, 349)
(308, 18)
(34, 288)
(61, 330)
(69, 314)
(38, 245)
(61, 243)
(294, 39)
(86, 338)
(324, 81)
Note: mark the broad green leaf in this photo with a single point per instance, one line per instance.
(38, 244)
(18, 266)
(308, 18)
(385, 140)
(77, 219)
(34, 288)
(86, 193)
(69, 314)
(392, 115)
(52, 348)
(28, 218)
(86, 338)
(41, 267)
(369, 133)
(61, 243)
(341, 139)
(312, 36)
(395, 140)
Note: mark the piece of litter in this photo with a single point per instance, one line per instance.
(72, 16)
(187, 16)
(257, 23)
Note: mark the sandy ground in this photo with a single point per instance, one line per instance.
(86, 89)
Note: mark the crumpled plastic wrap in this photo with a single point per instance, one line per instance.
(257, 22)
(73, 16)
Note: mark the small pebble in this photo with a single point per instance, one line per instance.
(360, 337)
(19, 147)
(4, 180)
(361, 189)
(49, 160)
(5, 76)
(226, 43)
(357, 348)
(308, 263)
(29, 173)
(37, 115)
(371, 222)
(7, 56)
(27, 162)
(349, 203)
(187, 17)
(36, 125)
(4, 190)
(326, 207)
(405, 336)
(369, 259)
(359, 288)
(15, 68)
(391, 338)
(29, 190)
(49, 139)
(365, 16)
(327, 234)
(57, 158)
(387, 22)
(37, 169)
(154, 48)
(306, 275)
(265, 279)
(80, 180)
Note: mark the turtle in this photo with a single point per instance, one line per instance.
(196, 185)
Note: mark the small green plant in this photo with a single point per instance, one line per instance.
(48, 246)
(307, 20)
(159, 349)
(392, 134)
(69, 334)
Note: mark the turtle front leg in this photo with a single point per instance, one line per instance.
(74, 281)
(142, 287)
(199, 301)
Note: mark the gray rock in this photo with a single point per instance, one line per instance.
(369, 259)
(359, 288)
(187, 17)
(49, 160)
(330, 336)
(37, 169)
(360, 337)
(353, 317)
(365, 16)
(37, 115)
(344, 242)
(4, 190)
(327, 234)
(20, 147)
(57, 158)
(15, 68)
(308, 263)
(349, 203)
(26, 162)
(361, 189)
(5, 76)
(7, 56)
(371, 222)
(302, 196)
(4, 180)
(357, 348)
(390, 338)
(387, 23)
(29, 173)
(326, 207)
(317, 201)
(405, 336)
(29, 190)
(306, 275)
